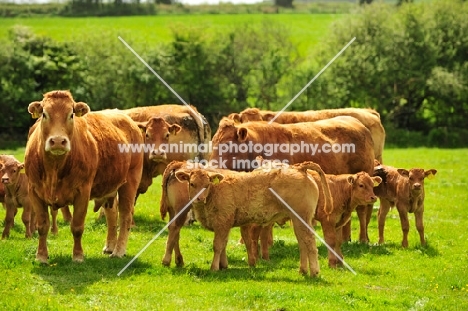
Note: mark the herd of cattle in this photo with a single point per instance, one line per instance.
(72, 156)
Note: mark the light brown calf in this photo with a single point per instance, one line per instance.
(405, 190)
(241, 199)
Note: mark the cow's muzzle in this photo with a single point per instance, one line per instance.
(57, 145)
(5, 180)
(157, 155)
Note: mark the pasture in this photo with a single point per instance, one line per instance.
(306, 30)
(388, 277)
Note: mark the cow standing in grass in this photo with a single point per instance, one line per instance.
(405, 190)
(73, 156)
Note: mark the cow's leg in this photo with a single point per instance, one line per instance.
(420, 225)
(307, 248)
(403, 212)
(41, 211)
(67, 216)
(219, 248)
(381, 216)
(127, 194)
(250, 236)
(363, 212)
(346, 231)
(112, 217)
(329, 233)
(77, 224)
(9, 218)
(54, 213)
(266, 240)
(339, 241)
(26, 218)
(172, 243)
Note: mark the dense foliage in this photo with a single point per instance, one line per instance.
(410, 63)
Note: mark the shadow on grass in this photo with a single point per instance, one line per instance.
(66, 276)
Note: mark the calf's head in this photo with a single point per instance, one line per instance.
(416, 178)
(199, 179)
(363, 188)
(10, 169)
(157, 134)
(56, 112)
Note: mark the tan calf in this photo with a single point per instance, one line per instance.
(405, 190)
(241, 199)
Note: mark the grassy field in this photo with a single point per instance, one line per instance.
(388, 277)
(306, 29)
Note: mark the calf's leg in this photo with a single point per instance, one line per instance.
(420, 225)
(403, 212)
(219, 248)
(381, 216)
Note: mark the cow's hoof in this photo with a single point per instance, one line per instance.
(42, 259)
(117, 255)
(107, 250)
(78, 258)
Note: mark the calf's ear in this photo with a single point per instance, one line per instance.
(141, 126)
(182, 176)
(216, 178)
(242, 134)
(80, 109)
(403, 172)
(21, 167)
(377, 180)
(235, 117)
(268, 116)
(35, 109)
(430, 173)
(351, 179)
(174, 129)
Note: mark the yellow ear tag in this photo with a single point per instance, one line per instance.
(376, 183)
(23, 171)
(35, 115)
(215, 181)
(78, 114)
(430, 176)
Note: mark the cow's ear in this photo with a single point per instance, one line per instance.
(182, 176)
(80, 109)
(21, 167)
(216, 178)
(377, 180)
(242, 134)
(235, 117)
(268, 116)
(142, 126)
(376, 163)
(403, 172)
(174, 129)
(430, 173)
(35, 109)
(351, 179)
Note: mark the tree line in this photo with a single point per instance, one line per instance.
(409, 63)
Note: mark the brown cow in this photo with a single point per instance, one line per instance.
(16, 195)
(73, 156)
(241, 198)
(369, 117)
(405, 190)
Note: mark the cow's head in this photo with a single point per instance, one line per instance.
(57, 111)
(157, 134)
(416, 177)
(10, 169)
(199, 179)
(250, 114)
(363, 188)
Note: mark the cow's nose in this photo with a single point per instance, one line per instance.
(417, 186)
(58, 141)
(5, 180)
(373, 198)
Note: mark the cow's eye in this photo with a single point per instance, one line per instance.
(146, 135)
(167, 135)
(14, 171)
(71, 116)
(192, 185)
(361, 186)
(44, 116)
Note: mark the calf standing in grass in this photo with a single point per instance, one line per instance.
(16, 195)
(405, 190)
(240, 199)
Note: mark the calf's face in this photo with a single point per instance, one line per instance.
(363, 188)
(199, 179)
(10, 172)
(57, 121)
(416, 178)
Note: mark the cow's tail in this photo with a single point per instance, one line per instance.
(168, 172)
(202, 128)
(328, 207)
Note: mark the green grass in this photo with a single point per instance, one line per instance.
(307, 30)
(388, 277)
